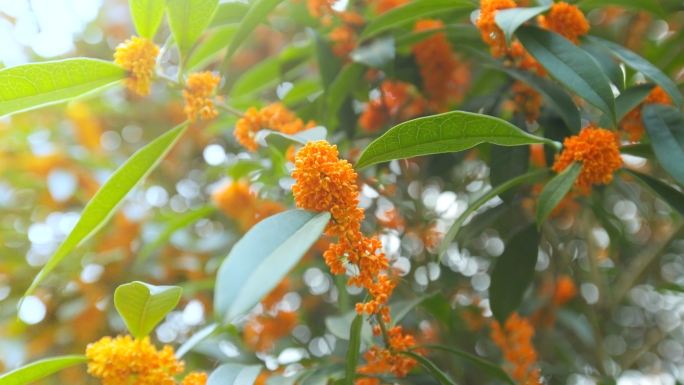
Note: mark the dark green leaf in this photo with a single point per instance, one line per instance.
(431, 367)
(484, 366)
(142, 305)
(400, 309)
(640, 149)
(667, 193)
(353, 349)
(641, 5)
(329, 65)
(481, 201)
(665, 127)
(608, 65)
(234, 374)
(570, 65)
(188, 19)
(110, 196)
(343, 86)
(147, 15)
(30, 86)
(449, 132)
(510, 19)
(40, 369)
(628, 100)
(254, 267)
(555, 190)
(410, 12)
(513, 273)
(642, 65)
(507, 163)
(259, 10)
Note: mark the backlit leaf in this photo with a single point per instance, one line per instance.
(209, 48)
(34, 371)
(188, 19)
(143, 306)
(147, 15)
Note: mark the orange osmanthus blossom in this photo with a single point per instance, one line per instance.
(125, 361)
(489, 30)
(275, 116)
(398, 102)
(597, 150)
(343, 40)
(527, 101)
(240, 203)
(515, 341)
(382, 6)
(201, 87)
(565, 291)
(566, 20)
(632, 122)
(195, 378)
(138, 56)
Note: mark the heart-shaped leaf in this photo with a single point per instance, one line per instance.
(142, 305)
(449, 132)
(555, 190)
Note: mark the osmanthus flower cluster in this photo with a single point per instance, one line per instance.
(562, 292)
(564, 19)
(125, 361)
(275, 116)
(398, 102)
(139, 56)
(597, 150)
(632, 122)
(324, 183)
(515, 341)
(239, 202)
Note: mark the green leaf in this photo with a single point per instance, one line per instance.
(196, 338)
(342, 87)
(451, 234)
(147, 15)
(258, 78)
(449, 132)
(442, 377)
(188, 19)
(608, 65)
(410, 12)
(642, 65)
(639, 149)
(255, 15)
(555, 190)
(641, 5)
(234, 374)
(570, 65)
(378, 54)
(209, 48)
(254, 267)
(667, 193)
(340, 325)
(665, 127)
(323, 375)
(329, 65)
(110, 196)
(510, 19)
(176, 223)
(353, 349)
(302, 90)
(506, 163)
(400, 309)
(628, 100)
(40, 369)
(228, 13)
(486, 367)
(578, 325)
(303, 137)
(142, 305)
(30, 86)
(513, 273)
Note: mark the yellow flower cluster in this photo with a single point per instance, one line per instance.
(125, 361)
(138, 56)
(201, 87)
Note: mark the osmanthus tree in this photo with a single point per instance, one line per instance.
(445, 177)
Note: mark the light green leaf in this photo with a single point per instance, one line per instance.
(228, 13)
(340, 325)
(484, 366)
(234, 374)
(110, 196)
(30, 86)
(664, 191)
(259, 10)
(40, 369)
(628, 100)
(451, 234)
(258, 78)
(400, 309)
(641, 5)
(254, 267)
(311, 135)
(449, 132)
(510, 19)
(343, 85)
(209, 48)
(301, 91)
(378, 54)
(176, 223)
(513, 273)
(329, 64)
(642, 65)
(410, 12)
(188, 19)
(442, 377)
(147, 15)
(554, 191)
(196, 338)
(142, 305)
(570, 65)
(353, 349)
(665, 127)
